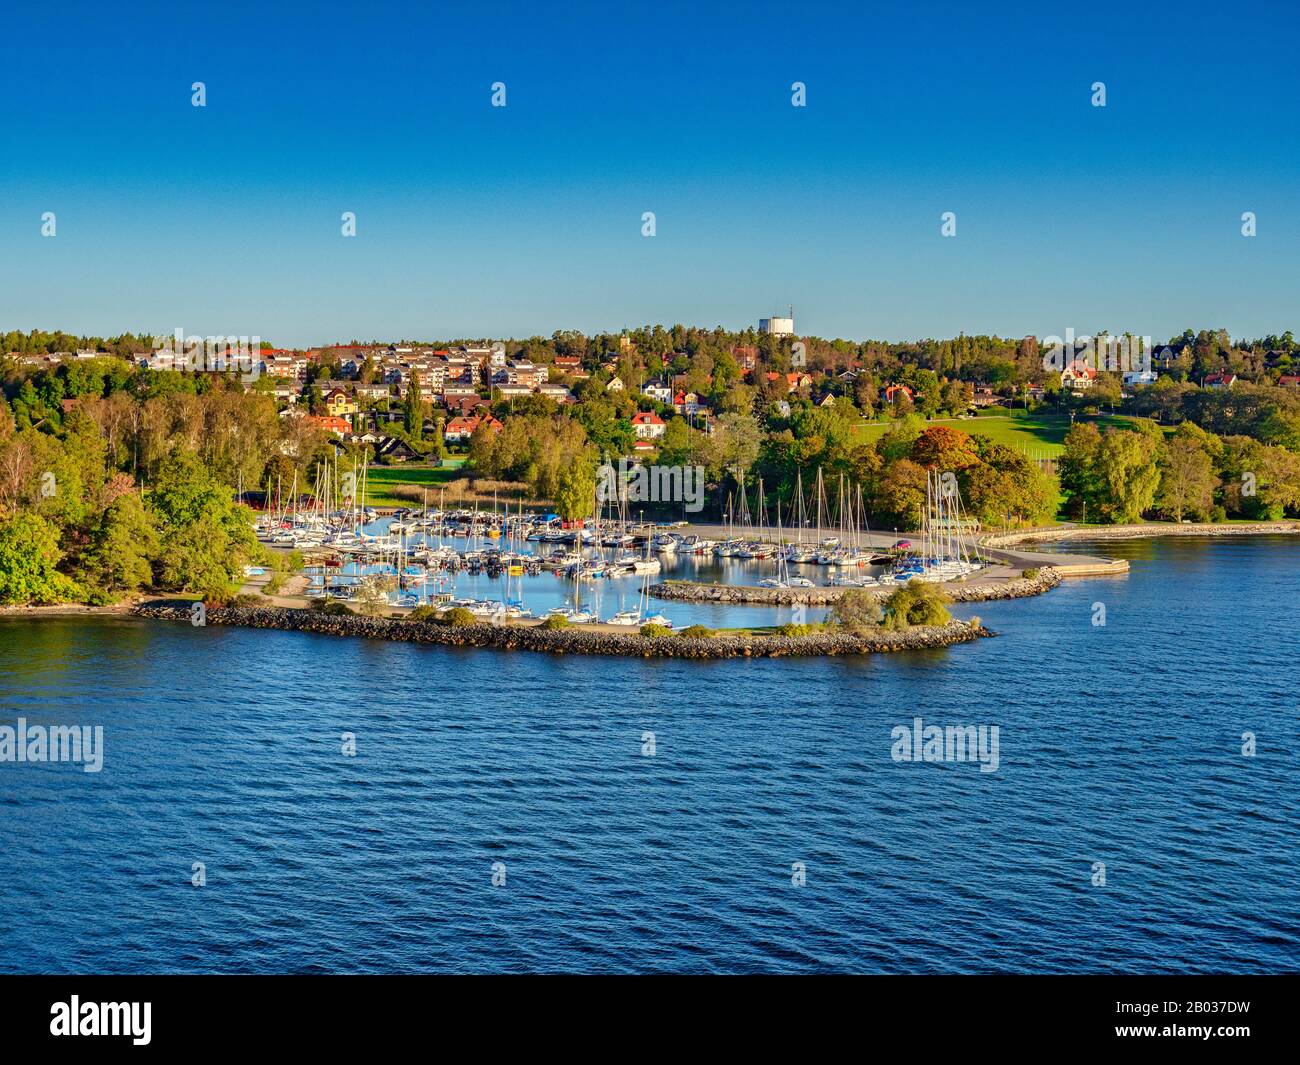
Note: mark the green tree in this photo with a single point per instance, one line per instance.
(123, 547)
(1187, 480)
(29, 556)
(576, 497)
(916, 603)
(1128, 468)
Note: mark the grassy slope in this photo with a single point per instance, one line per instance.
(381, 478)
(1038, 435)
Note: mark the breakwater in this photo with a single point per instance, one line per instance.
(574, 640)
(983, 591)
(1133, 532)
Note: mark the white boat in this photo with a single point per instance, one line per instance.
(626, 617)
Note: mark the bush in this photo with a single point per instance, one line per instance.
(331, 606)
(459, 617)
(1218, 514)
(1032, 573)
(220, 593)
(697, 632)
(424, 613)
(556, 621)
(656, 630)
(916, 603)
(274, 584)
(855, 609)
(791, 629)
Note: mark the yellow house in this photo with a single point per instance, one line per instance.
(339, 404)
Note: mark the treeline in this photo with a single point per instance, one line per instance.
(1126, 475)
(114, 480)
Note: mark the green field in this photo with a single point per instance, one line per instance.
(1036, 435)
(381, 479)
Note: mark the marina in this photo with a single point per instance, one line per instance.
(520, 566)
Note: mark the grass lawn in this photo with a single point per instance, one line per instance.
(381, 479)
(1037, 434)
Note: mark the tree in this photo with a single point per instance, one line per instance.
(856, 608)
(29, 555)
(123, 548)
(576, 497)
(916, 603)
(1077, 469)
(413, 409)
(1127, 468)
(1187, 480)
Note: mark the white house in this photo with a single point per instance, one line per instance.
(648, 425)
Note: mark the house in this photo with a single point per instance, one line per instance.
(464, 404)
(338, 426)
(1219, 380)
(395, 449)
(513, 390)
(827, 400)
(1078, 377)
(687, 403)
(648, 426)
(659, 391)
(1289, 380)
(568, 363)
(615, 384)
(1140, 377)
(375, 390)
(339, 403)
(746, 356)
(460, 428)
(456, 395)
(643, 445)
(556, 392)
(891, 393)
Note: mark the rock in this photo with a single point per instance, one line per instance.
(574, 640)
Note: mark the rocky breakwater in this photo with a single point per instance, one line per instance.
(978, 591)
(575, 640)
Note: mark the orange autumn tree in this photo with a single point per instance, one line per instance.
(942, 448)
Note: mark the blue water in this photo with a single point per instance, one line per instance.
(1118, 744)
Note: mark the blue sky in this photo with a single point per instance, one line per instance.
(482, 221)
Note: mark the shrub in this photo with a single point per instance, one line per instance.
(656, 630)
(556, 621)
(274, 584)
(855, 609)
(459, 617)
(424, 613)
(1032, 572)
(916, 603)
(791, 629)
(697, 632)
(331, 606)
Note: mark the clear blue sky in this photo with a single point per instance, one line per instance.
(481, 221)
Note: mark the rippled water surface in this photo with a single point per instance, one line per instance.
(1119, 744)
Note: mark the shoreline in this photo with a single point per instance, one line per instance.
(1152, 531)
(1006, 588)
(574, 640)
